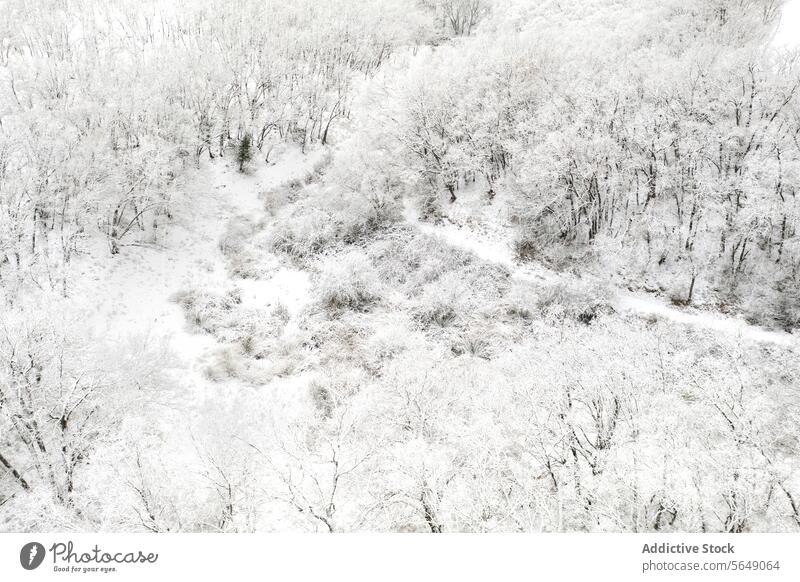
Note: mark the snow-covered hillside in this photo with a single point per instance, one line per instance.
(380, 266)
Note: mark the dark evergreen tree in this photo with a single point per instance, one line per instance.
(245, 152)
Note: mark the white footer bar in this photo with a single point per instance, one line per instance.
(407, 557)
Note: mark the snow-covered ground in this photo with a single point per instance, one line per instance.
(279, 358)
(133, 295)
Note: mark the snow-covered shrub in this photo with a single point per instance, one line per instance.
(412, 259)
(339, 341)
(578, 302)
(440, 312)
(267, 360)
(442, 303)
(322, 399)
(334, 392)
(317, 171)
(328, 218)
(430, 206)
(255, 330)
(349, 282)
(280, 313)
(776, 304)
(207, 310)
(521, 301)
(302, 234)
(225, 365)
(287, 357)
(477, 343)
(389, 341)
(525, 247)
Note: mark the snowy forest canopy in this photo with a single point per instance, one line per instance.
(398, 265)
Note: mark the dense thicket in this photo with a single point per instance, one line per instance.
(666, 146)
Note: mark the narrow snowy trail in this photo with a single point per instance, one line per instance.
(499, 252)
